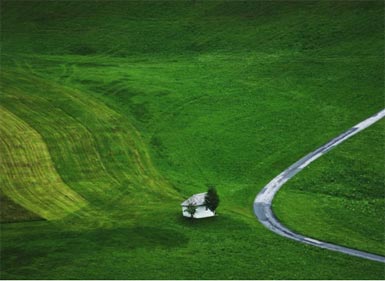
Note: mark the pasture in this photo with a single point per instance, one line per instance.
(114, 112)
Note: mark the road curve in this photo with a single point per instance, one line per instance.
(262, 203)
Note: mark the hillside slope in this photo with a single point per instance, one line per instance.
(340, 198)
(135, 105)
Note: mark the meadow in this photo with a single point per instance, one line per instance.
(114, 112)
(340, 197)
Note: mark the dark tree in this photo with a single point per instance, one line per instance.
(191, 209)
(212, 199)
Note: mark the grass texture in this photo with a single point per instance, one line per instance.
(113, 112)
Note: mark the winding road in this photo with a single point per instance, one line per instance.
(262, 203)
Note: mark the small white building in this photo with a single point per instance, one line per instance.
(197, 201)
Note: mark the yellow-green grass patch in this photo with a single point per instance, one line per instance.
(28, 175)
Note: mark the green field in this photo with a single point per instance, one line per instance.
(114, 112)
(340, 198)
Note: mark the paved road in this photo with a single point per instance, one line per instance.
(262, 203)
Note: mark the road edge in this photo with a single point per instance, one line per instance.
(263, 200)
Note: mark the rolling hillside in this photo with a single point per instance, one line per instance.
(341, 195)
(113, 112)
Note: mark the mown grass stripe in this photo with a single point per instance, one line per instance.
(28, 174)
(97, 152)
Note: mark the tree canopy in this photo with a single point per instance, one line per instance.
(212, 199)
(191, 209)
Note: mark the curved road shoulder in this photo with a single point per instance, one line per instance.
(262, 203)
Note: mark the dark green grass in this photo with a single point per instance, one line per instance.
(223, 93)
(164, 245)
(11, 212)
(340, 198)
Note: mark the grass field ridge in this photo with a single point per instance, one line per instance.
(141, 104)
(40, 188)
(80, 119)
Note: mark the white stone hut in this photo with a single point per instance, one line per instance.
(198, 201)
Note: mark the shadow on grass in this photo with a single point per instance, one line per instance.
(26, 250)
(218, 222)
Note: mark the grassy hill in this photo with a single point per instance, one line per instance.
(113, 112)
(340, 197)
